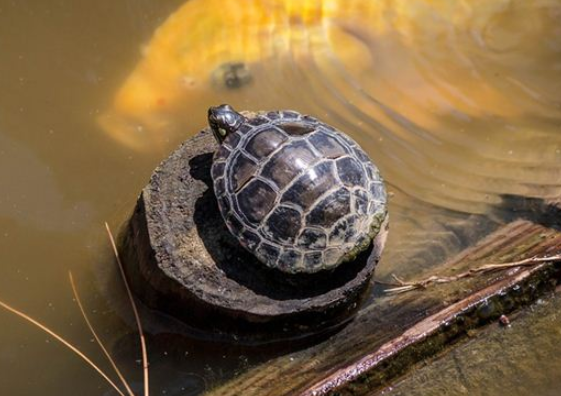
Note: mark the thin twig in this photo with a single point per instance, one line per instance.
(134, 309)
(401, 286)
(97, 339)
(63, 342)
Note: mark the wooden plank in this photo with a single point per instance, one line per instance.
(433, 333)
(391, 333)
(520, 359)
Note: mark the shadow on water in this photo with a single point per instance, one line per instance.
(184, 365)
(241, 266)
(536, 210)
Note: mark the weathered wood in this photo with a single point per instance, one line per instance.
(387, 337)
(433, 333)
(182, 260)
(518, 359)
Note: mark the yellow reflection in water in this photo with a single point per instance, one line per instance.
(457, 102)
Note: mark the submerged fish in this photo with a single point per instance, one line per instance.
(418, 58)
(449, 88)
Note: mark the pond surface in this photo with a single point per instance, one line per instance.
(458, 103)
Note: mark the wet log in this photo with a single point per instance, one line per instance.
(394, 332)
(182, 260)
(520, 358)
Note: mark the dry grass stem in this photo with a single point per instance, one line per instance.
(134, 309)
(97, 339)
(63, 342)
(402, 286)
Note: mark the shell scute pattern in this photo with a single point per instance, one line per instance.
(296, 129)
(283, 224)
(217, 171)
(360, 202)
(222, 153)
(351, 172)
(243, 170)
(274, 115)
(334, 206)
(265, 142)
(255, 200)
(310, 186)
(233, 140)
(256, 121)
(312, 238)
(296, 192)
(269, 252)
(250, 239)
(328, 146)
(219, 187)
(289, 161)
(234, 224)
(245, 128)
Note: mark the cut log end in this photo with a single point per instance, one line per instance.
(182, 260)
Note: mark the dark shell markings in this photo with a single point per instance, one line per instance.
(297, 193)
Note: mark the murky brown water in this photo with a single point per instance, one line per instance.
(457, 102)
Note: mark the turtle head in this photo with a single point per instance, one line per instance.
(224, 120)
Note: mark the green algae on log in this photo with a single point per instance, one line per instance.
(496, 360)
(388, 337)
(182, 260)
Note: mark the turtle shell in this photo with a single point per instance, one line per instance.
(297, 193)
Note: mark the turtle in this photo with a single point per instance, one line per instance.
(297, 193)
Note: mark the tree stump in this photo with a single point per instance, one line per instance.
(181, 259)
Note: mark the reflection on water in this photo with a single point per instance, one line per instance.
(457, 102)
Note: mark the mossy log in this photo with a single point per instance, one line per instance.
(182, 260)
(394, 332)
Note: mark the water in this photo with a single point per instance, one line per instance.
(457, 103)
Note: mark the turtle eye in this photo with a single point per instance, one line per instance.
(231, 75)
(222, 132)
